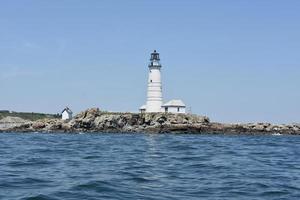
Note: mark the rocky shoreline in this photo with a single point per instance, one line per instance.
(94, 120)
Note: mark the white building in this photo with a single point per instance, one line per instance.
(143, 108)
(174, 106)
(66, 114)
(154, 91)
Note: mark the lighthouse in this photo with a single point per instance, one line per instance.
(154, 93)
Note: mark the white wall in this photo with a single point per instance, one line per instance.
(65, 115)
(175, 109)
(154, 94)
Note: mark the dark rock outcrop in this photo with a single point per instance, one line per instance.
(94, 120)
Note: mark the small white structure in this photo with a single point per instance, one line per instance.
(143, 109)
(66, 114)
(154, 93)
(174, 106)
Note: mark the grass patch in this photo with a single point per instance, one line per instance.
(28, 115)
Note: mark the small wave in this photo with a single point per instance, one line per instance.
(39, 197)
(141, 179)
(31, 163)
(276, 134)
(91, 157)
(274, 193)
(28, 183)
(102, 186)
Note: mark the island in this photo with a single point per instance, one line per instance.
(94, 120)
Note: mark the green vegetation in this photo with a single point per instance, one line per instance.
(27, 115)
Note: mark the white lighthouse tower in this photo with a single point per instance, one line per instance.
(154, 93)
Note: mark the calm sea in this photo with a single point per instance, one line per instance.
(143, 166)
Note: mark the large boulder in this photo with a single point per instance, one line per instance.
(38, 125)
(85, 119)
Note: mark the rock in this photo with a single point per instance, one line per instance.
(10, 122)
(296, 129)
(38, 125)
(259, 127)
(94, 120)
(66, 127)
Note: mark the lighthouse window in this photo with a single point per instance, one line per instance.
(151, 81)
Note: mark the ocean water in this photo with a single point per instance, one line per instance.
(143, 166)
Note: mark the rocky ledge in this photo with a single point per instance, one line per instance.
(94, 120)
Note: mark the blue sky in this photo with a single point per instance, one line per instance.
(234, 61)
